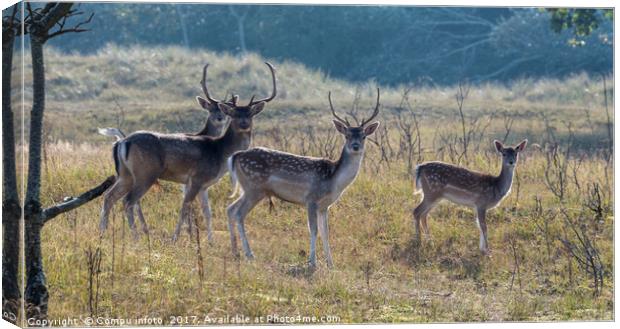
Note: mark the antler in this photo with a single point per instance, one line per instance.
(234, 99)
(203, 83)
(345, 121)
(374, 113)
(273, 94)
(252, 101)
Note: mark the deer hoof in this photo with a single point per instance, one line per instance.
(311, 264)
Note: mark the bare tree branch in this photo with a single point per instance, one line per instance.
(72, 203)
(75, 29)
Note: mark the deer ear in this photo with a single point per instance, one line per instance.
(370, 129)
(228, 110)
(340, 127)
(203, 102)
(498, 145)
(257, 108)
(521, 146)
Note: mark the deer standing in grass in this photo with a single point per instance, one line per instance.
(315, 183)
(214, 127)
(197, 161)
(438, 180)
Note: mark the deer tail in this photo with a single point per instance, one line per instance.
(112, 132)
(418, 182)
(115, 157)
(233, 176)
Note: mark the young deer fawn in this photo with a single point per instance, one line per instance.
(316, 183)
(438, 180)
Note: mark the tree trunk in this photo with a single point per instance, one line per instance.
(36, 295)
(183, 25)
(11, 209)
(240, 27)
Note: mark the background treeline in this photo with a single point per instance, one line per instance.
(390, 44)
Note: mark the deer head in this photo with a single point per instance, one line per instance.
(355, 135)
(510, 155)
(240, 115)
(217, 118)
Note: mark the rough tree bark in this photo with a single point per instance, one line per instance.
(36, 292)
(11, 209)
(39, 26)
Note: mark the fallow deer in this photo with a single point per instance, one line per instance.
(316, 183)
(195, 161)
(438, 180)
(214, 127)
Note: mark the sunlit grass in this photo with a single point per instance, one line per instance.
(380, 274)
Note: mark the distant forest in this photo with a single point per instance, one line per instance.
(393, 45)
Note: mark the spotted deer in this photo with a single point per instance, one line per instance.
(197, 161)
(438, 181)
(214, 127)
(315, 183)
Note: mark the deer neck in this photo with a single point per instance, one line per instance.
(233, 141)
(346, 169)
(505, 179)
(208, 130)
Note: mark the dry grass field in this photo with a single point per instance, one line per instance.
(551, 240)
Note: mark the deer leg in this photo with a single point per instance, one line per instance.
(189, 229)
(206, 212)
(231, 211)
(191, 191)
(482, 225)
(131, 202)
(324, 230)
(243, 211)
(416, 221)
(427, 232)
(117, 191)
(237, 212)
(312, 226)
(145, 228)
(129, 212)
(420, 213)
(186, 219)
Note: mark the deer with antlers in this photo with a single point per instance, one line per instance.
(439, 180)
(214, 127)
(197, 161)
(315, 183)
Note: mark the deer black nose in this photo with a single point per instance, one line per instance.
(355, 147)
